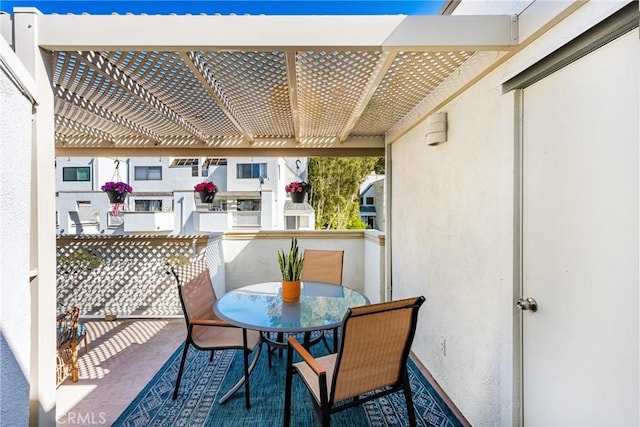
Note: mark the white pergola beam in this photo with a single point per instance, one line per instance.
(454, 32)
(290, 58)
(208, 82)
(385, 62)
(268, 147)
(103, 113)
(100, 64)
(212, 32)
(83, 129)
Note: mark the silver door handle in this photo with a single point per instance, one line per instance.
(527, 304)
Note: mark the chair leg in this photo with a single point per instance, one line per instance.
(306, 341)
(280, 338)
(86, 346)
(406, 388)
(287, 388)
(245, 353)
(211, 356)
(184, 358)
(326, 415)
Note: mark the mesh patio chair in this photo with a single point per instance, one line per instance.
(205, 331)
(323, 266)
(372, 360)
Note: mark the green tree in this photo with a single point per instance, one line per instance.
(335, 190)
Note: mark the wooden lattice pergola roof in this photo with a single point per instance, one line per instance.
(271, 84)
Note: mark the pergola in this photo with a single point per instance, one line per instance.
(216, 86)
(257, 85)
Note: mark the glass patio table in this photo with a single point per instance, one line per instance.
(260, 307)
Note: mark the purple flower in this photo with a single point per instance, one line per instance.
(119, 187)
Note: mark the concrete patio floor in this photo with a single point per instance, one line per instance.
(123, 357)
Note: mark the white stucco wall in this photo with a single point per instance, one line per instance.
(455, 244)
(15, 298)
(374, 273)
(259, 251)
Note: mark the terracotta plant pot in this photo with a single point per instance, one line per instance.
(291, 291)
(297, 197)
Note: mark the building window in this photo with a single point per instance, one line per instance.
(148, 205)
(215, 161)
(248, 205)
(218, 205)
(148, 173)
(251, 170)
(176, 163)
(191, 163)
(296, 222)
(79, 173)
(369, 200)
(212, 161)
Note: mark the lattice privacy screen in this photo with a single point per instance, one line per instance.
(125, 275)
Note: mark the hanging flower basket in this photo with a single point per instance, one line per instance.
(298, 197)
(116, 191)
(115, 197)
(298, 190)
(207, 191)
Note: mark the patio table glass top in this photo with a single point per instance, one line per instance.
(260, 307)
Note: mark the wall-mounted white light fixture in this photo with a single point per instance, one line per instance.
(436, 129)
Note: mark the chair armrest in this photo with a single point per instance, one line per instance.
(210, 322)
(306, 356)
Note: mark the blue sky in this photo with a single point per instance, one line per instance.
(253, 7)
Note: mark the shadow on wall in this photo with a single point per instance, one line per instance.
(121, 275)
(14, 392)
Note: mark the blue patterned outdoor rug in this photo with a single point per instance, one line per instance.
(203, 383)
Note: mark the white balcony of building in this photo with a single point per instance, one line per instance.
(148, 222)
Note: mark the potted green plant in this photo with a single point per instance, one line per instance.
(290, 264)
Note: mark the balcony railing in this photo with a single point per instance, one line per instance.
(247, 218)
(127, 275)
(208, 221)
(149, 222)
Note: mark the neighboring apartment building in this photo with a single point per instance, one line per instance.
(251, 195)
(372, 202)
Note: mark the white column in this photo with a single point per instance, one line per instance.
(43, 243)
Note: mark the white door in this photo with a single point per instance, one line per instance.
(580, 241)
